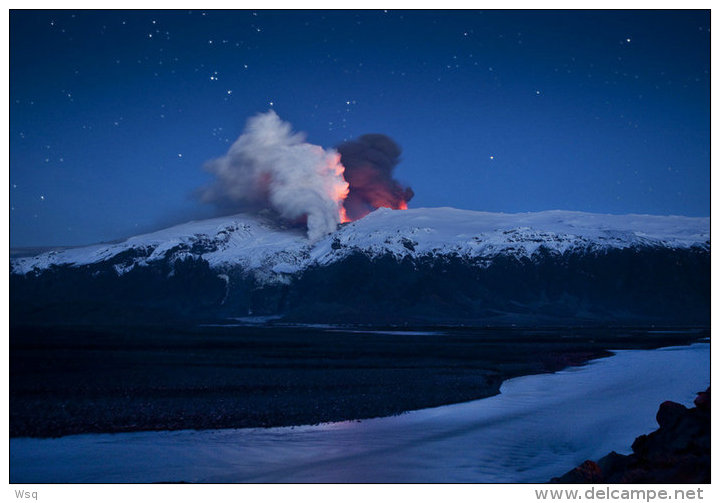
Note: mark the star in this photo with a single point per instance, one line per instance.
(42, 198)
(492, 157)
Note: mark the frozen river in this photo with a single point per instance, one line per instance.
(538, 427)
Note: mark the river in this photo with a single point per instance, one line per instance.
(538, 427)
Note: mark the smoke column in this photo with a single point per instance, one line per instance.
(270, 166)
(369, 163)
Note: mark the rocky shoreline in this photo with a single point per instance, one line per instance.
(678, 452)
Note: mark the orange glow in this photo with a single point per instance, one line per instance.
(381, 199)
(343, 215)
(344, 218)
(341, 189)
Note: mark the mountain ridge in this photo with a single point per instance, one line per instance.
(250, 240)
(391, 266)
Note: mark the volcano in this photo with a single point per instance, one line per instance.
(419, 266)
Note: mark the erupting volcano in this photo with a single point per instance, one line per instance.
(369, 162)
(270, 167)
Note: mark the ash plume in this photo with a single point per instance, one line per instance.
(269, 166)
(369, 163)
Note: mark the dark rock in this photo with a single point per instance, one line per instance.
(702, 401)
(587, 473)
(678, 452)
(639, 446)
(613, 463)
(669, 413)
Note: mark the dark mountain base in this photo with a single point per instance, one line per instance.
(67, 380)
(676, 453)
(634, 286)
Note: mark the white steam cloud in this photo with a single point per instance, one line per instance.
(270, 166)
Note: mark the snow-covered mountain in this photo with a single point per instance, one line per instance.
(258, 246)
(252, 265)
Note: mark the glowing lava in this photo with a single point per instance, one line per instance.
(343, 216)
(354, 205)
(369, 163)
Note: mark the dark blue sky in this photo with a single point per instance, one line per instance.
(113, 113)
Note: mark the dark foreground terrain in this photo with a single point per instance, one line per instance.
(66, 380)
(676, 453)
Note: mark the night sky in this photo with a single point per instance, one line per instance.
(113, 114)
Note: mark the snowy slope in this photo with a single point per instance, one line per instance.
(258, 246)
